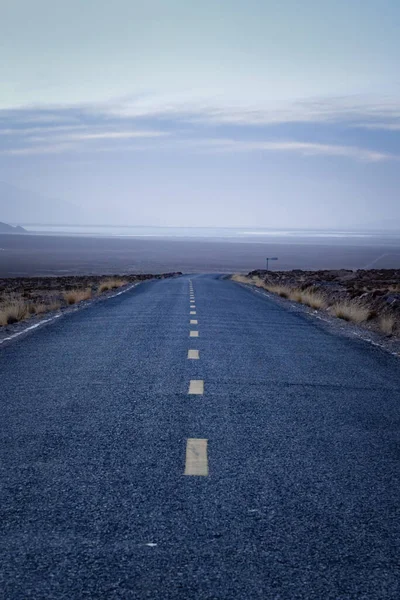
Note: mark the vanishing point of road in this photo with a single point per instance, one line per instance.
(191, 439)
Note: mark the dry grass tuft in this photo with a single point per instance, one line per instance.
(296, 295)
(354, 310)
(54, 305)
(111, 284)
(39, 309)
(351, 311)
(75, 296)
(387, 324)
(313, 298)
(13, 311)
(240, 278)
(283, 291)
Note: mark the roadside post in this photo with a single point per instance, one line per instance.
(270, 258)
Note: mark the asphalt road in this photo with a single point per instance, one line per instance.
(279, 481)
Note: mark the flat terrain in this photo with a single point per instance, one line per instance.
(39, 255)
(290, 443)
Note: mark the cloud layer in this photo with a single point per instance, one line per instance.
(339, 128)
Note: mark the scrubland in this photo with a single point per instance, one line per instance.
(27, 297)
(368, 298)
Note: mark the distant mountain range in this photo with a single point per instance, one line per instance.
(18, 205)
(4, 228)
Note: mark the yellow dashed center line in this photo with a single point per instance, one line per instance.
(196, 386)
(196, 448)
(196, 457)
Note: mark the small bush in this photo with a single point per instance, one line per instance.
(351, 311)
(296, 295)
(39, 309)
(111, 284)
(387, 324)
(313, 298)
(258, 282)
(75, 296)
(281, 290)
(241, 278)
(54, 305)
(14, 311)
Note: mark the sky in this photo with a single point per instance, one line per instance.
(253, 113)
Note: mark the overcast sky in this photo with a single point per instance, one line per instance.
(214, 113)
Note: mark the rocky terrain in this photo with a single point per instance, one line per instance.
(368, 297)
(379, 288)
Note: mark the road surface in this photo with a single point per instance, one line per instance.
(258, 459)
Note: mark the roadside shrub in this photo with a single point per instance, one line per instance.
(31, 309)
(258, 282)
(112, 283)
(313, 298)
(296, 295)
(14, 311)
(54, 305)
(75, 296)
(241, 278)
(40, 308)
(387, 324)
(281, 290)
(351, 311)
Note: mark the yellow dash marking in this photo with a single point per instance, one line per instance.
(192, 312)
(194, 334)
(196, 386)
(196, 457)
(194, 322)
(193, 354)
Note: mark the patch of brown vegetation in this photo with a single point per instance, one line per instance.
(75, 296)
(26, 297)
(367, 297)
(351, 311)
(112, 283)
